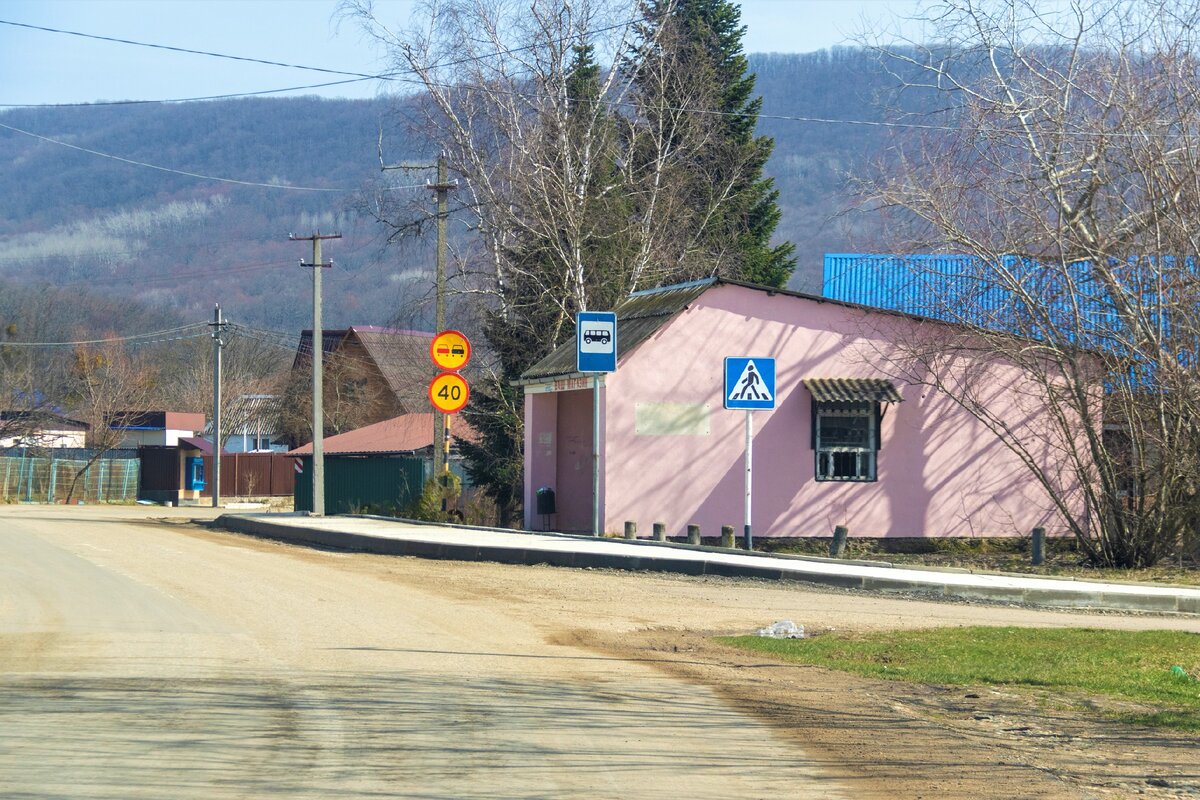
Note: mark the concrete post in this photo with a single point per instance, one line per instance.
(1038, 554)
(660, 532)
(727, 536)
(837, 548)
(693, 534)
(630, 529)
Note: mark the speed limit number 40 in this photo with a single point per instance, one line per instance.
(448, 392)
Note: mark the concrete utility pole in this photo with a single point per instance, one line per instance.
(218, 326)
(441, 422)
(318, 379)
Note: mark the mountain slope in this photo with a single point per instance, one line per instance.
(182, 242)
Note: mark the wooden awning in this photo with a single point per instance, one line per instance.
(852, 390)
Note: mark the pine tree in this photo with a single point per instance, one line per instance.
(696, 63)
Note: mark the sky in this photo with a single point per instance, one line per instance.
(40, 67)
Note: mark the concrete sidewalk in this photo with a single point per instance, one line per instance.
(402, 537)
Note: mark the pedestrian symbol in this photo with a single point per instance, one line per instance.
(750, 383)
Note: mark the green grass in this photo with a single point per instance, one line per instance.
(1130, 666)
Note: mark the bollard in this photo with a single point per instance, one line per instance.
(630, 529)
(660, 532)
(693, 534)
(1038, 555)
(837, 548)
(727, 536)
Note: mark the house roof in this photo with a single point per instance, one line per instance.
(44, 419)
(250, 413)
(642, 314)
(402, 434)
(158, 420)
(402, 357)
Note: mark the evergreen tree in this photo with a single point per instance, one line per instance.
(694, 68)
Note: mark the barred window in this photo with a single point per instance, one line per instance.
(845, 437)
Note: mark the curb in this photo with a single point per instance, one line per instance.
(1062, 596)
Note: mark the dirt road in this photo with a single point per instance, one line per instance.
(165, 660)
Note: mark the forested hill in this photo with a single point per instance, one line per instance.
(77, 212)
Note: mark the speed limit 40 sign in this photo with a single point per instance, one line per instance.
(449, 392)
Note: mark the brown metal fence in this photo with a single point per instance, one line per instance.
(253, 475)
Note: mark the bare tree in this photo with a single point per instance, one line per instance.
(107, 385)
(248, 367)
(1065, 169)
(30, 391)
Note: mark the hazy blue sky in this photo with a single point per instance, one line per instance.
(40, 67)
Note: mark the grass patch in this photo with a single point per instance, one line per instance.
(1130, 666)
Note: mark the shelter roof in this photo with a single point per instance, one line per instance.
(196, 443)
(639, 316)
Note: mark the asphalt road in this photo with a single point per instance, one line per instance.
(141, 661)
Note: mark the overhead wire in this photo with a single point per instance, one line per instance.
(147, 165)
(132, 339)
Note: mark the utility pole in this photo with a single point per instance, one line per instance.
(218, 326)
(441, 422)
(318, 379)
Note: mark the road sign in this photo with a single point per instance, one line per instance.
(596, 341)
(450, 351)
(449, 392)
(750, 383)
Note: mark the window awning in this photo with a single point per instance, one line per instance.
(852, 390)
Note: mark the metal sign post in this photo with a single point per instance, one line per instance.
(747, 537)
(596, 352)
(749, 386)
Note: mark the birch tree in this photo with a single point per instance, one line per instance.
(1065, 168)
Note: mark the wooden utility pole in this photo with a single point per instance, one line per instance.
(318, 377)
(441, 422)
(218, 326)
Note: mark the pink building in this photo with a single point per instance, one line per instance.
(850, 442)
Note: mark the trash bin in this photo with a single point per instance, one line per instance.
(545, 500)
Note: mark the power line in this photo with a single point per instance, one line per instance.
(355, 77)
(189, 51)
(167, 101)
(132, 339)
(166, 169)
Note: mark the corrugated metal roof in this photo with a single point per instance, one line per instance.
(852, 390)
(639, 316)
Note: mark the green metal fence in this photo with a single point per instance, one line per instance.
(356, 484)
(47, 479)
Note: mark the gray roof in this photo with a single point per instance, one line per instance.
(639, 316)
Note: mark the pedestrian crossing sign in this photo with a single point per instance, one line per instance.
(749, 383)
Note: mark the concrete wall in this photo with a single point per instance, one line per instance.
(673, 454)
